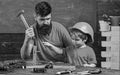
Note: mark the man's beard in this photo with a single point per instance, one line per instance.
(45, 29)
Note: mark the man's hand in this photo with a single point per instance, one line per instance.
(56, 49)
(89, 65)
(47, 44)
(30, 32)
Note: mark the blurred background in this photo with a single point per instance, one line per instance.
(66, 12)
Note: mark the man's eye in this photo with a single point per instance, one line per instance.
(42, 19)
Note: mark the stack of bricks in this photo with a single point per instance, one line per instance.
(112, 44)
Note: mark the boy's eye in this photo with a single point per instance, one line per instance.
(47, 18)
(77, 39)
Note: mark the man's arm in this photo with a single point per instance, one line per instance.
(28, 44)
(56, 49)
(27, 48)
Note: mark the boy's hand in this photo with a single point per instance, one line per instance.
(30, 32)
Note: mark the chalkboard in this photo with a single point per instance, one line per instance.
(66, 12)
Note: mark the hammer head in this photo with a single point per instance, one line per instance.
(20, 13)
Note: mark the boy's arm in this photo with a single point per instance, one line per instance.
(91, 59)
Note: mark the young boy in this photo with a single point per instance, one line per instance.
(80, 54)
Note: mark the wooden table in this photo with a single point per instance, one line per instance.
(53, 72)
(20, 71)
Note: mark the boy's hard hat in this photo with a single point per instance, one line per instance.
(85, 28)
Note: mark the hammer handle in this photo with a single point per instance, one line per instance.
(24, 21)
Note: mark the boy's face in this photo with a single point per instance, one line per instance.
(77, 39)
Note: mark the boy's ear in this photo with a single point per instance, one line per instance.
(85, 40)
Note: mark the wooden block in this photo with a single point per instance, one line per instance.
(106, 65)
(105, 54)
(110, 43)
(106, 33)
(106, 43)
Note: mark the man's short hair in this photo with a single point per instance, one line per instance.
(43, 8)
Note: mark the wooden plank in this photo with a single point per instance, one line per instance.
(105, 54)
(106, 33)
(34, 66)
(106, 43)
(54, 66)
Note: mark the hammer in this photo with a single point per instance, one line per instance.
(20, 14)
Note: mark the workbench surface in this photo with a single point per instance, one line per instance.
(17, 69)
(53, 72)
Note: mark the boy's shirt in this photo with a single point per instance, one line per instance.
(80, 56)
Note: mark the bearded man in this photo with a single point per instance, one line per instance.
(45, 30)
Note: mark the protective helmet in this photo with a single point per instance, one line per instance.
(85, 28)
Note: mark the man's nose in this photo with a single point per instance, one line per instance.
(46, 22)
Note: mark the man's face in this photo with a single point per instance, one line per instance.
(43, 20)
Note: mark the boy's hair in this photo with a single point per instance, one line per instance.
(43, 9)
